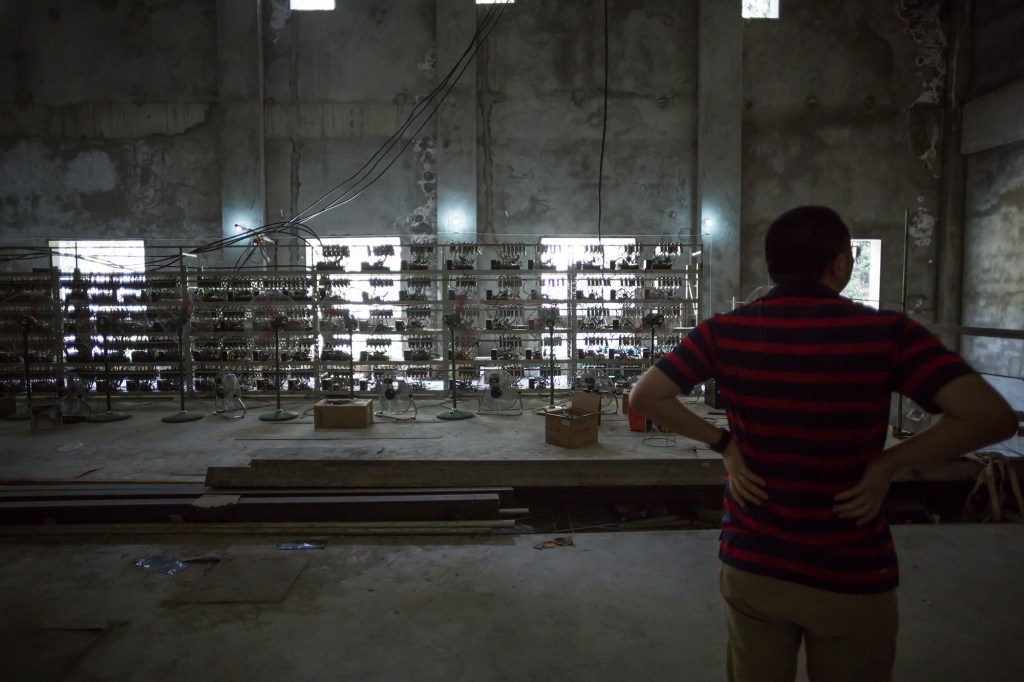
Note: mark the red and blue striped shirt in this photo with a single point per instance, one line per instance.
(806, 378)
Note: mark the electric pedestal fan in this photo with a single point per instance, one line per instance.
(106, 326)
(272, 310)
(396, 398)
(549, 318)
(596, 380)
(655, 322)
(655, 434)
(25, 315)
(228, 396)
(500, 394)
(456, 320)
(176, 322)
(74, 397)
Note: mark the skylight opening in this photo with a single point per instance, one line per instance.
(760, 9)
(312, 4)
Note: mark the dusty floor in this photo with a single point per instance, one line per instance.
(614, 606)
(629, 606)
(145, 448)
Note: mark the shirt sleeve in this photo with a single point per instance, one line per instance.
(692, 361)
(922, 365)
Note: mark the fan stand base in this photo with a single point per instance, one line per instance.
(278, 416)
(455, 415)
(104, 417)
(19, 416)
(182, 417)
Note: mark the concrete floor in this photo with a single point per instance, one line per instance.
(145, 448)
(615, 606)
(629, 606)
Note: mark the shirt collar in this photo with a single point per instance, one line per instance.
(814, 289)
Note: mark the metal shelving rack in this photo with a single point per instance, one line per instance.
(352, 323)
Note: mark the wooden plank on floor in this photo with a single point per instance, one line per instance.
(270, 473)
(258, 509)
(465, 473)
(113, 492)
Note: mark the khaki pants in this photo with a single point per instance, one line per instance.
(847, 636)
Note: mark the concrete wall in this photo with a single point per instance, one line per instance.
(842, 107)
(122, 119)
(338, 86)
(541, 98)
(108, 126)
(994, 220)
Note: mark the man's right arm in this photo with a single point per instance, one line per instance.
(974, 415)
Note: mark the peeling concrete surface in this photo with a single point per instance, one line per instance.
(541, 78)
(107, 189)
(845, 128)
(993, 275)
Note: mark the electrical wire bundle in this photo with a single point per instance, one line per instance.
(357, 183)
(425, 108)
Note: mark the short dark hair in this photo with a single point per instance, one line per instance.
(802, 242)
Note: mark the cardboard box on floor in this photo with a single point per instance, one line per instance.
(342, 413)
(576, 425)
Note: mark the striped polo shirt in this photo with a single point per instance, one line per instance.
(806, 378)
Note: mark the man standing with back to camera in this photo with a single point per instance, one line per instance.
(806, 377)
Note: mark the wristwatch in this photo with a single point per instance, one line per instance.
(723, 442)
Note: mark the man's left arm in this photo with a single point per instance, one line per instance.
(656, 396)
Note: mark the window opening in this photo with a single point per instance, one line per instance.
(865, 282)
(312, 4)
(87, 295)
(582, 254)
(360, 274)
(760, 9)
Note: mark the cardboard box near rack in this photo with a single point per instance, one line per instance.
(576, 425)
(342, 413)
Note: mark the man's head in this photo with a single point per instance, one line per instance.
(809, 244)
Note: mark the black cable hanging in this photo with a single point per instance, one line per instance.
(604, 127)
(444, 87)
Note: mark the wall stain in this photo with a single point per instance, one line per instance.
(921, 227)
(422, 220)
(925, 27)
(429, 64)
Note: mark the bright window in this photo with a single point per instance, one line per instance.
(760, 9)
(97, 257)
(865, 283)
(360, 277)
(312, 4)
(100, 255)
(560, 254)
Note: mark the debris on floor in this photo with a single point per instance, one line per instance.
(555, 542)
(162, 564)
(300, 545)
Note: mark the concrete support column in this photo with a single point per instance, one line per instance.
(456, 126)
(950, 271)
(719, 129)
(240, 68)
